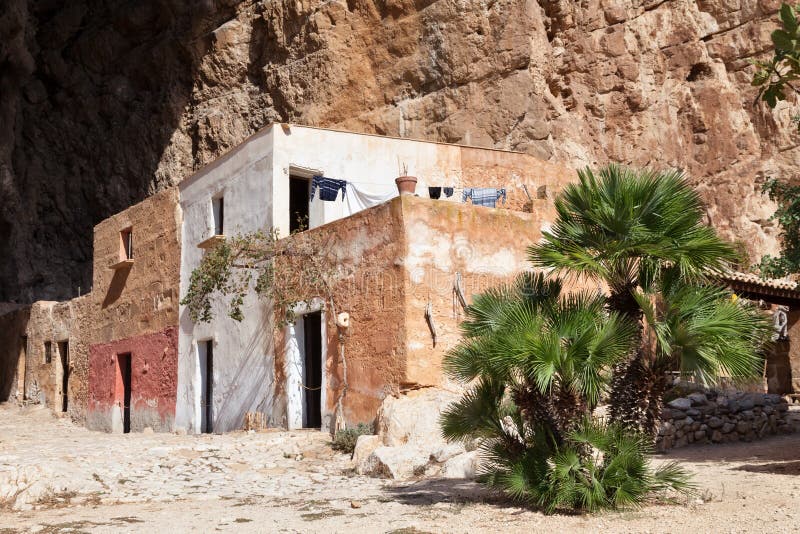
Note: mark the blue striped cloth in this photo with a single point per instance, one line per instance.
(484, 196)
(328, 188)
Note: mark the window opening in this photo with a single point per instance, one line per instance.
(299, 189)
(218, 209)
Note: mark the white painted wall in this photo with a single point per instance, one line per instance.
(243, 356)
(368, 160)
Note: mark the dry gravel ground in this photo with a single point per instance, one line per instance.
(63, 478)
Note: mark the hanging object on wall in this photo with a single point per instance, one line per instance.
(429, 319)
(780, 324)
(343, 320)
(459, 292)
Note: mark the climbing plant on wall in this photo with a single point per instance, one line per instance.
(778, 76)
(283, 272)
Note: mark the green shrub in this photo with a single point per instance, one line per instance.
(599, 466)
(345, 440)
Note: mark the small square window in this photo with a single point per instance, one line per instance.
(48, 352)
(218, 210)
(126, 244)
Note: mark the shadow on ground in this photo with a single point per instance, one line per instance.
(770, 449)
(775, 468)
(434, 491)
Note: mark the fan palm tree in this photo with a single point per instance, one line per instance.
(538, 361)
(698, 329)
(627, 228)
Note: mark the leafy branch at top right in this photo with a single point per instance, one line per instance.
(776, 79)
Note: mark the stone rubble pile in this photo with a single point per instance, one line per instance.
(409, 442)
(712, 417)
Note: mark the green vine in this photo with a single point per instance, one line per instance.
(788, 217)
(285, 272)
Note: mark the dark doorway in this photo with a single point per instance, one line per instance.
(205, 353)
(63, 351)
(299, 189)
(124, 361)
(312, 326)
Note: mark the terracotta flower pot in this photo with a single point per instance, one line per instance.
(406, 184)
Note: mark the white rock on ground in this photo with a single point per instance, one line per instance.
(410, 443)
(461, 466)
(414, 417)
(364, 462)
(399, 462)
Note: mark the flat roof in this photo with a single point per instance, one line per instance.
(288, 125)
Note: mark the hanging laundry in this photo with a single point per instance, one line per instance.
(484, 196)
(328, 188)
(358, 198)
(448, 191)
(435, 192)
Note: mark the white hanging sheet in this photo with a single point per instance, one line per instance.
(359, 198)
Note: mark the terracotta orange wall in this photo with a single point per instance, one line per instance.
(486, 246)
(366, 249)
(154, 375)
(391, 259)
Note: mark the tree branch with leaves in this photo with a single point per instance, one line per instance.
(776, 79)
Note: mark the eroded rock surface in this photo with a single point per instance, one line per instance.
(106, 102)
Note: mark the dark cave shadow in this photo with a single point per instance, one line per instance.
(105, 114)
(116, 286)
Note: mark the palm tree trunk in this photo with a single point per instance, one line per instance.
(631, 383)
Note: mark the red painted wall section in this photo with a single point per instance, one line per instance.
(154, 377)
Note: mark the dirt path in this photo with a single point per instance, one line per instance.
(64, 478)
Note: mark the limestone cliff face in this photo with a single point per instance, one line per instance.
(104, 102)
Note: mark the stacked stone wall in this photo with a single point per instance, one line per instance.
(712, 417)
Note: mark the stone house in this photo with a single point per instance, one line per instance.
(46, 342)
(132, 333)
(395, 257)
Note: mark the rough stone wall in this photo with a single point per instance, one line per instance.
(142, 298)
(12, 338)
(105, 102)
(154, 376)
(712, 417)
(57, 322)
